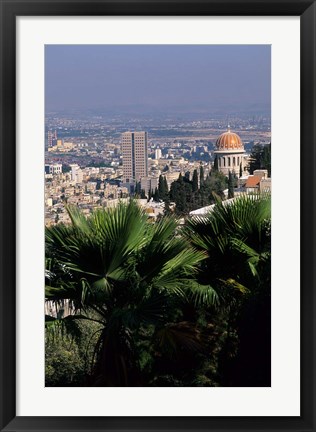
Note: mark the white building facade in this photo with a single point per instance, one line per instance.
(230, 153)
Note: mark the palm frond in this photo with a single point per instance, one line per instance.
(173, 338)
(203, 295)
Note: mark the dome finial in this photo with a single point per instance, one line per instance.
(228, 127)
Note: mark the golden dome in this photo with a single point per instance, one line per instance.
(229, 141)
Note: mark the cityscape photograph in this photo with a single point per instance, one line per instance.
(157, 215)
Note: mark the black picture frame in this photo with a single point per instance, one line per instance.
(10, 9)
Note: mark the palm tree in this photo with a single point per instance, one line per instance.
(236, 236)
(127, 275)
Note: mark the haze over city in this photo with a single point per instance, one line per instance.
(142, 79)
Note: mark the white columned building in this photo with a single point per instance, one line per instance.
(230, 153)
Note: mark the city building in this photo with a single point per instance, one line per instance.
(51, 138)
(259, 182)
(230, 153)
(135, 156)
(252, 184)
(76, 173)
(158, 153)
(149, 184)
(53, 168)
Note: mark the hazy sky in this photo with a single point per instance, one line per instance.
(144, 78)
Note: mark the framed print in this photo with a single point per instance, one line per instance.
(166, 306)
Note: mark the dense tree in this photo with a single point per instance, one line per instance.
(266, 158)
(179, 196)
(186, 199)
(215, 183)
(162, 188)
(187, 175)
(129, 277)
(68, 354)
(156, 195)
(137, 188)
(167, 209)
(167, 306)
(195, 181)
(237, 238)
(260, 158)
(231, 184)
(166, 186)
(201, 175)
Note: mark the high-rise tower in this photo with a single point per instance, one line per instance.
(135, 156)
(51, 138)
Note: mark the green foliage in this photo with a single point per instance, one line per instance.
(214, 185)
(156, 195)
(137, 189)
(188, 196)
(201, 175)
(159, 305)
(195, 181)
(64, 366)
(260, 158)
(230, 185)
(180, 193)
(67, 356)
(124, 273)
(163, 192)
(236, 237)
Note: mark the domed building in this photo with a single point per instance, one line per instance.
(230, 153)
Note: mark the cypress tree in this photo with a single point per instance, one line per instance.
(137, 188)
(180, 194)
(201, 175)
(166, 185)
(195, 181)
(260, 158)
(266, 158)
(240, 170)
(162, 188)
(215, 167)
(231, 185)
(167, 210)
(156, 195)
